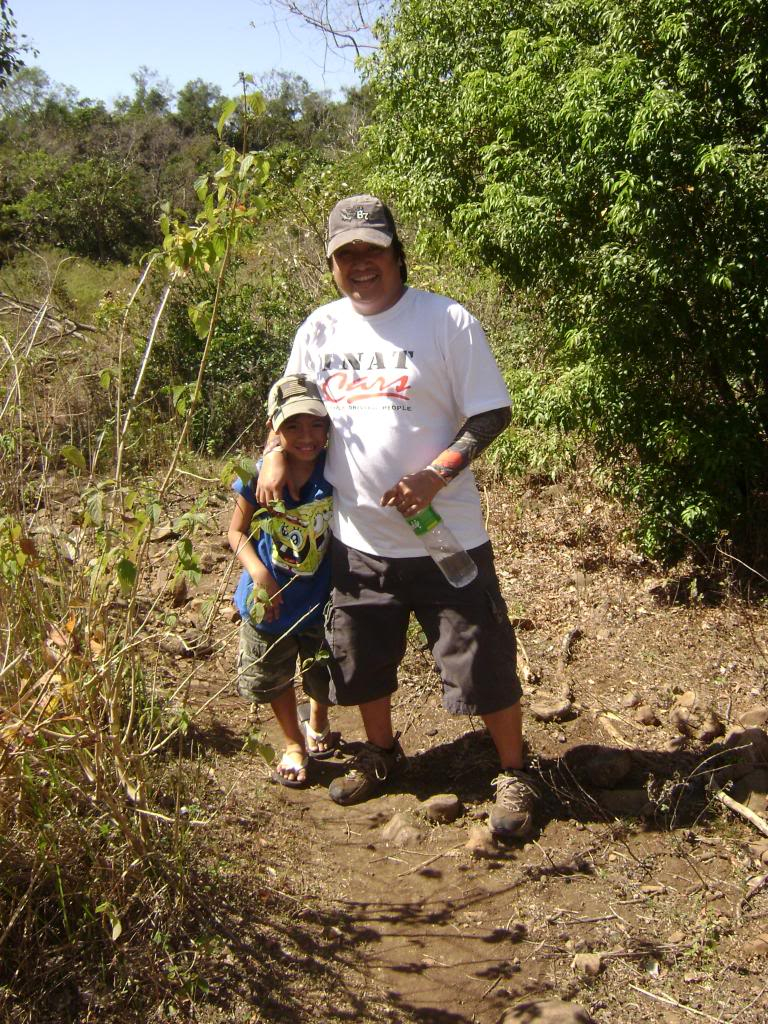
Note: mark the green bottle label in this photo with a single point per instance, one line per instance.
(425, 521)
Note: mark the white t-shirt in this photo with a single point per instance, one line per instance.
(397, 386)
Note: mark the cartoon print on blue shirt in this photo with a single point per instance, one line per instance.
(300, 536)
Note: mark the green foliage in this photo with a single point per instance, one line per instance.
(611, 160)
(249, 348)
(11, 48)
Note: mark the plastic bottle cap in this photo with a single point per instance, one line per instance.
(425, 521)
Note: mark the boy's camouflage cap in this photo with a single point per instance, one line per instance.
(292, 395)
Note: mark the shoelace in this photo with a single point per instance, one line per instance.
(367, 761)
(513, 791)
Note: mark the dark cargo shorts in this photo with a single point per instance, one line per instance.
(266, 663)
(468, 630)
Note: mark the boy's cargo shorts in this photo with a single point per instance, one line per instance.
(266, 663)
(467, 629)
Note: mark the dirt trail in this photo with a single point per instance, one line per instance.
(661, 898)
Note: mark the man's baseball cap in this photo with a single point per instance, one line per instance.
(359, 219)
(292, 395)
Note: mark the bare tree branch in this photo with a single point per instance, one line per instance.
(345, 24)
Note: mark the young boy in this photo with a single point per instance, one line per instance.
(283, 553)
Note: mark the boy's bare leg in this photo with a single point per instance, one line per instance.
(318, 715)
(284, 708)
(506, 729)
(318, 723)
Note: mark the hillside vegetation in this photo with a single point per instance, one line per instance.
(589, 180)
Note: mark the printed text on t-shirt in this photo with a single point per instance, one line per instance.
(356, 376)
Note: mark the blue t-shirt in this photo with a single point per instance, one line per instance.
(292, 545)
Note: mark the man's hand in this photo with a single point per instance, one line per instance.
(412, 493)
(273, 479)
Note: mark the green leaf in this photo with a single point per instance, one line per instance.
(73, 456)
(255, 744)
(227, 110)
(200, 315)
(126, 575)
(94, 505)
(256, 103)
(105, 379)
(246, 469)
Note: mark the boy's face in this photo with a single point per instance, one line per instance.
(303, 436)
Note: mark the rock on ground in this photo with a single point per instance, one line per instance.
(481, 843)
(400, 831)
(442, 809)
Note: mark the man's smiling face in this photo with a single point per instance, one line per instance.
(368, 275)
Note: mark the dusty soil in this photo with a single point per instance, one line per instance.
(633, 858)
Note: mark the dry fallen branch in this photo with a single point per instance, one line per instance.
(669, 1001)
(63, 323)
(751, 816)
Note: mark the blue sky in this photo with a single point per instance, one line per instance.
(95, 45)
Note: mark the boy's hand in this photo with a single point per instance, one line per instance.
(413, 492)
(263, 603)
(273, 479)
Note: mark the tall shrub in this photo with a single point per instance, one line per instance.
(611, 158)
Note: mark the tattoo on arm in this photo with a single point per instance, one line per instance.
(473, 438)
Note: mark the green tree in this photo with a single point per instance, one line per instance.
(198, 105)
(612, 159)
(11, 48)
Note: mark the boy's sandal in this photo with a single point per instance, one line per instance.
(330, 740)
(286, 764)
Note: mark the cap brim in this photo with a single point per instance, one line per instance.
(374, 236)
(309, 406)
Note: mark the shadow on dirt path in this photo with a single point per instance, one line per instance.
(638, 897)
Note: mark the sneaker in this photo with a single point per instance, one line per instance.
(512, 814)
(369, 771)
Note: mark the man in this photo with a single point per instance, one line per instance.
(414, 395)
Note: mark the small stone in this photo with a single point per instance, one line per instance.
(587, 964)
(207, 562)
(645, 715)
(631, 699)
(441, 809)
(757, 946)
(546, 1011)
(676, 938)
(749, 748)
(409, 835)
(395, 825)
(755, 718)
(189, 645)
(752, 790)
(675, 744)
(694, 719)
(179, 595)
(758, 850)
(552, 711)
(161, 533)
(481, 843)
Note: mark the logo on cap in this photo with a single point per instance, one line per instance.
(358, 214)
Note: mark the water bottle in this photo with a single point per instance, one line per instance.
(450, 557)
